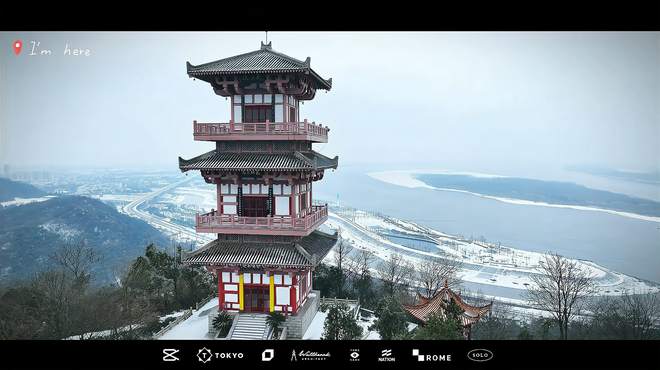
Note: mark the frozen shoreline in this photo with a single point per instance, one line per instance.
(483, 263)
(406, 179)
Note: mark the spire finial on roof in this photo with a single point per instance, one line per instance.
(267, 46)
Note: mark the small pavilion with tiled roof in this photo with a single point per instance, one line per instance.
(426, 306)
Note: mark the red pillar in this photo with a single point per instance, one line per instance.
(292, 298)
(218, 196)
(221, 291)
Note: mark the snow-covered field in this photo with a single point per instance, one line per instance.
(204, 198)
(482, 263)
(23, 201)
(119, 197)
(407, 179)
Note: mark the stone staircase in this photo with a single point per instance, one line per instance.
(250, 326)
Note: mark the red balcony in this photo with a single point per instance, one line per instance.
(260, 131)
(213, 222)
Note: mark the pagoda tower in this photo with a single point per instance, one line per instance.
(263, 167)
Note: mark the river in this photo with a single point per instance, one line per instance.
(623, 244)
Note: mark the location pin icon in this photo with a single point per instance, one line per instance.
(18, 45)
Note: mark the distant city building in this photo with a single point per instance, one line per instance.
(263, 167)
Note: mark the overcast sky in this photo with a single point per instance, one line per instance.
(500, 102)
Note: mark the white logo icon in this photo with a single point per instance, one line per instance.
(431, 358)
(386, 356)
(268, 354)
(204, 355)
(168, 354)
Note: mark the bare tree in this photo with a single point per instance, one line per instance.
(359, 273)
(342, 250)
(560, 288)
(58, 302)
(433, 272)
(358, 266)
(629, 316)
(76, 258)
(63, 290)
(394, 272)
(642, 312)
(499, 324)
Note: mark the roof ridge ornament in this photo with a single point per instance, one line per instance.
(268, 46)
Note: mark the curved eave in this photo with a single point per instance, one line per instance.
(305, 163)
(308, 252)
(198, 72)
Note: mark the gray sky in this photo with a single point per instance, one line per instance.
(502, 102)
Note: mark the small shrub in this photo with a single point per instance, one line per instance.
(274, 321)
(222, 323)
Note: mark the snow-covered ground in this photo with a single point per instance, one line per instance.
(407, 179)
(315, 329)
(482, 263)
(23, 201)
(101, 333)
(194, 327)
(204, 198)
(66, 232)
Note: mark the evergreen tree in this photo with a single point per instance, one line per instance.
(340, 324)
(391, 322)
(168, 285)
(325, 280)
(447, 326)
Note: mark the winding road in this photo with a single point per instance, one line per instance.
(182, 232)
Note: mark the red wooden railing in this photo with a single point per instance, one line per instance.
(314, 217)
(262, 128)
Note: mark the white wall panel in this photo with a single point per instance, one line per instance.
(282, 206)
(282, 296)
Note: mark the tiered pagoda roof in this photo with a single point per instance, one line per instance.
(300, 253)
(438, 303)
(223, 161)
(262, 61)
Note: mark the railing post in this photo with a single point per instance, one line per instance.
(231, 125)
